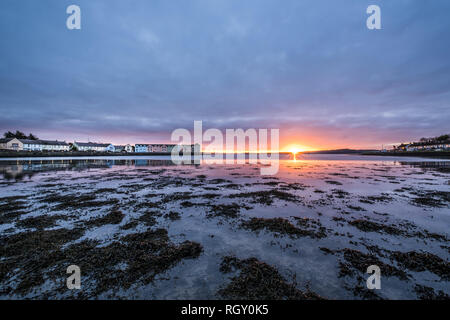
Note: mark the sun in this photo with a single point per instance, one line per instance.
(294, 149)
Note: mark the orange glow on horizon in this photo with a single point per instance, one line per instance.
(296, 148)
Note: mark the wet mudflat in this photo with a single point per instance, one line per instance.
(147, 229)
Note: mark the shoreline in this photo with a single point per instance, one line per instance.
(422, 154)
(71, 154)
(31, 154)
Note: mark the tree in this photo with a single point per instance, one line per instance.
(32, 137)
(73, 147)
(19, 135)
(8, 134)
(444, 137)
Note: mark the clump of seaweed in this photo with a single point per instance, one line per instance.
(333, 182)
(77, 201)
(149, 205)
(356, 208)
(30, 251)
(373, 199)
(422, 261)
(227, 210)
(12, 207)
(218, 181)
(427, 293)
(360, 289)
(114, 217)
(357, 260)
(259, 281)
(266, 197)
(130, 225)
(339, 193)
(40, 222)
(370, 226)
(144, 254)
(105, 190)
(282, 226)
(432, 198)
(42, 256)
(149, 218)
(172, 215)
(177, 196)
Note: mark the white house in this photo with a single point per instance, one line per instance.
(139, 148)
(11, 144)
(164, 148)
(93, 146)
(119, 148)
(429, 146)
(44, 145)
(188, 148)
(161, 147)
(110, 148)
(33, 145)
(129, 148)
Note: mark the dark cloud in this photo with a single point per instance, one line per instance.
(138, 70)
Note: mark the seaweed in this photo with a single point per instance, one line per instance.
(259, 281)
(149, 218)
(41, 256)
(371, 226)
(266, 197)
(172, 215)
(422, 261)
(427, 293)
(357, 260)
(40, 222)
(333, 182)
(372, 199)
(114, 217)
(77, 201)
(282, 226)
(12, 207)
(437, 199)
(225, 210)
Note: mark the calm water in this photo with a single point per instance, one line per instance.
(376, 206)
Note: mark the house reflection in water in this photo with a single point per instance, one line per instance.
(20, 169)
(440, 166)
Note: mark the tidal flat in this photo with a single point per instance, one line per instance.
(143, 228)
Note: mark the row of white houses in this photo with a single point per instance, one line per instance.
(33, 145)
(163, 148)
(101, 147)
(424, 146)
(48, 145)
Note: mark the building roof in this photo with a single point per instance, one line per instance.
(44, 142)
(162, 144)
(92, 144)
(430, 143)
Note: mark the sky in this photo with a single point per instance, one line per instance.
(139, 69)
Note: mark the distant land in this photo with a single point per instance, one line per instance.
(340, 151)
